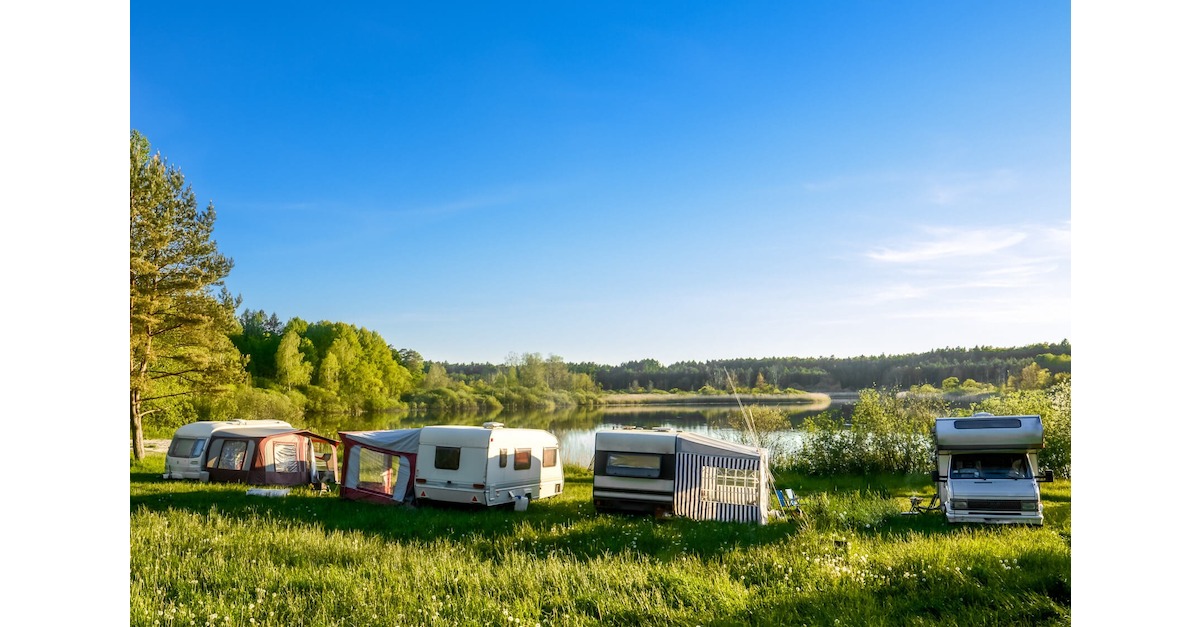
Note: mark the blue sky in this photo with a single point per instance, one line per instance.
(615, 181)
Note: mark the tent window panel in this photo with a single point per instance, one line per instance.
(284, 456)
(729, 485)
(186, 447)
(376, 471)
(522, 459)
(446, 457)
(323, 456)
(233, 454)
(503, 458)
(549, 457)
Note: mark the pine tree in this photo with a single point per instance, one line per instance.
(178, 342)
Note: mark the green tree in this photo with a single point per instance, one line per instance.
(436, 377)
(412, 362)
(330, 372)
(291, 369)
(1032, 377)
(178, 329)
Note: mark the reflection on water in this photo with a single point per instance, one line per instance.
(576, 428)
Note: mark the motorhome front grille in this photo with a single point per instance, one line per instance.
(993, 505)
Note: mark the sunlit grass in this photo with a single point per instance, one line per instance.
(212, 555)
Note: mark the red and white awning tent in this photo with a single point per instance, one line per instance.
(378, 466)
(270, 456)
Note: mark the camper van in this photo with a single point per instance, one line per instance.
(488, 465)
(185, 457)
(988, 468)
(687, 474)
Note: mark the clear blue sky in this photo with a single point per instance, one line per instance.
(616, 181)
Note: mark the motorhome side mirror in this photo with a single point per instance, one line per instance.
(935, 476)
(1049, 474)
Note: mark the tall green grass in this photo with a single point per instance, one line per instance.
(208, 554)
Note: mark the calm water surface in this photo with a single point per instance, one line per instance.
(576, 428)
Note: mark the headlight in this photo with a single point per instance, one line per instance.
(958, 504)
(1029, 506)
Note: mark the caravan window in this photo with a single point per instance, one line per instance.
(503, 457)
(549, 457)
(522, 459)
(186, 447)
(446, 457)
(639, 465)
(729, 485)
(284, 456)
(232, 454)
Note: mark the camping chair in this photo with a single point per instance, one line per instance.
(789, 502)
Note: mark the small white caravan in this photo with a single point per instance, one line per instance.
(185, 457)
(488, 465)
(988, 468)
(687, 474)
(634, 471)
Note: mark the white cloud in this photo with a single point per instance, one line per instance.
(946, 243)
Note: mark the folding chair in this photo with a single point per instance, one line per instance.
(789, 502)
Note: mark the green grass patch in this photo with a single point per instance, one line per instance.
(209, 554)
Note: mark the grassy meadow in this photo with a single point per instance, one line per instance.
(209, 554)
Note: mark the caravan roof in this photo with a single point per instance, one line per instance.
(986, 431)
(641, 441)
(204, 428)
(481, 437)
(259, 431)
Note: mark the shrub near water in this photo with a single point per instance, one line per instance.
(208, 554)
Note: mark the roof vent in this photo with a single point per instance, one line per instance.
(664, 429)
(983, 413)
(493, 425)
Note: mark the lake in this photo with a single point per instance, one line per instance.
(576, 428)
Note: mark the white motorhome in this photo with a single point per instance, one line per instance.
(488, 465)
(185, 457)
(988, 468)
(686, 474)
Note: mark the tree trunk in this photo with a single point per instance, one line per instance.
(135, 425)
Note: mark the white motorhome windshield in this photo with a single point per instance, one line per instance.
(990, 466)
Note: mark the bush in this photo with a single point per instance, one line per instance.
(250, 403)
(1054, 406)
(829, 450)
(890, 433)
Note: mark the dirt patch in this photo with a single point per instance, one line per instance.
(153, 446)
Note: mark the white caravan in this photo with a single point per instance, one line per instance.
(988, 468)
(634, 471)
(686, 474)
(185, 457)
(488, 465)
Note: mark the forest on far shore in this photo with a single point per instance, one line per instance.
(977, 368)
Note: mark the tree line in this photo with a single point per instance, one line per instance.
(981, 367)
